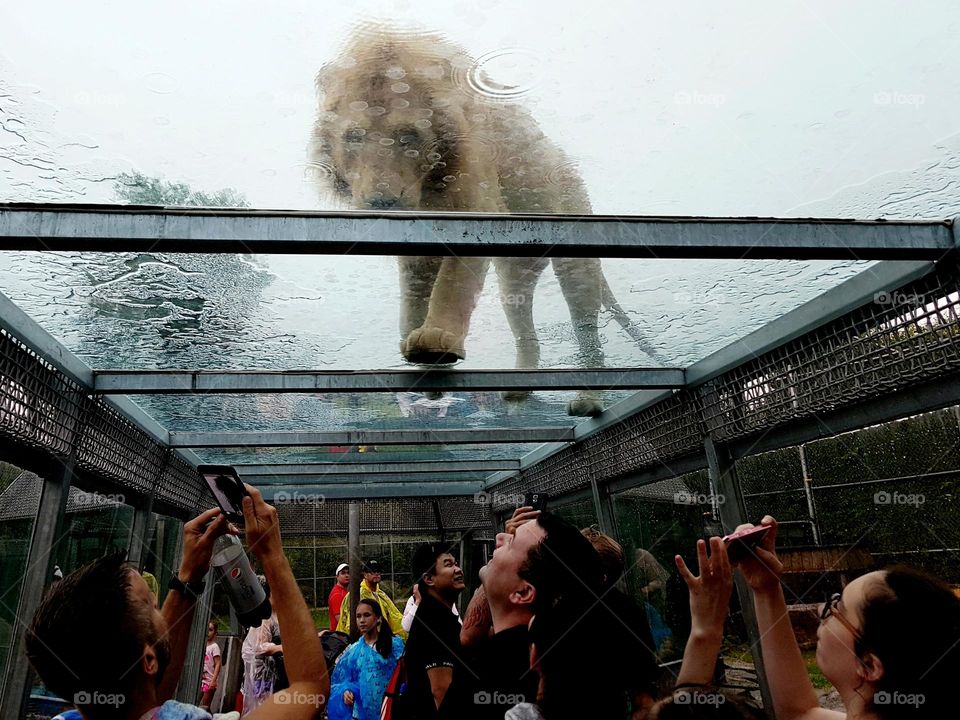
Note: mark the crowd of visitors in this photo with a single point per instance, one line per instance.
(549, 634)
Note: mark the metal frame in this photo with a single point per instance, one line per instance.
(159, 382)
(440, 436)
(372, 467)
(26, 226)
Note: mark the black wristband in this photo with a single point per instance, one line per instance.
(192, 590)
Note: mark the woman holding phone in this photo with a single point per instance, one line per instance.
(889, 643)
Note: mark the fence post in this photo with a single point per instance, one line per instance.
(723, 476)
(47, 529)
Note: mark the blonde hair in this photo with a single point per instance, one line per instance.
(610, 552)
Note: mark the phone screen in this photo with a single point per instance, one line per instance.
(227, 489)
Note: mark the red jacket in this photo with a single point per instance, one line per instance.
(335, 600)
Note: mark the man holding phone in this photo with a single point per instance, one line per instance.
(99, 640)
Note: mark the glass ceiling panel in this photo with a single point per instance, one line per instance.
(383, 454)
(277, 312)
(702, 108)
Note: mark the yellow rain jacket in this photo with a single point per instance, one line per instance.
(390, 613)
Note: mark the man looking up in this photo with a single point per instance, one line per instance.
(433, 651)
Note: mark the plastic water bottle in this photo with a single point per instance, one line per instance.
(237, 577)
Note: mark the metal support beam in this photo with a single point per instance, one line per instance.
(723, 477)
(209, 382)
(557, 433)
(111, 228)
(47, 531)
(140, 532)
(374, 467)
(188, 691)
(603, 508)
(307, 494)
(262, 481)
(356, 561)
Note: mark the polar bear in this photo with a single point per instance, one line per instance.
(399, 126)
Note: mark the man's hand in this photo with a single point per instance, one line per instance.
(347, 697)
(521, 515)
(416, 593)
(262, 526)
(709, 591)
(198, 537)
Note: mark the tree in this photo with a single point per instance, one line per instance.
(138, 189)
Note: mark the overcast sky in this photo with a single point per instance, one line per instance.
(670, 108)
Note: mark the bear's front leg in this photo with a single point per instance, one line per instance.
(440, 339)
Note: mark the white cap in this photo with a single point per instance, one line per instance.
(340, 567)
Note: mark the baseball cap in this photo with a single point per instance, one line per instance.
(372, 566)
(340, 567)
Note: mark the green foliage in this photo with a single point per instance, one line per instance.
(138, 189)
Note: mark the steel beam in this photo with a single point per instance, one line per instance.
(372, 437)
(373, 467)
(160, 382)
(725, 482)
(309, 494)
(45, 537)
(263, 481)
(113, 228)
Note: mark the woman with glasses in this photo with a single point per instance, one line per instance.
(890, 643)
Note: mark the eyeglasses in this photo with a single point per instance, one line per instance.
(831, 608)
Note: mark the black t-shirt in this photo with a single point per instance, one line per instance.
(636, 661)
(499, 676)
(434, 642)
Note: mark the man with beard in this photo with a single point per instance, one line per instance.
(99, 640)
(433, 651)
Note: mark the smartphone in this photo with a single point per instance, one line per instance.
(536, 500)
(227, 488)
(739, 543)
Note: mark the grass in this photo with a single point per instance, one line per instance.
(321, 620)
(816, 677)
(741, 653)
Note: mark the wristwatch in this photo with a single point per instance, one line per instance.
(192, 590)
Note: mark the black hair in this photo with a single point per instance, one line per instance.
(87, 637)
(425, 562)
(562, 564)
(385, 633)
(913, 625)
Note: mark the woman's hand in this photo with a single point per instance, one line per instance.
(761, 567)
(521, 515)
(347, 697)
(709, 591)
